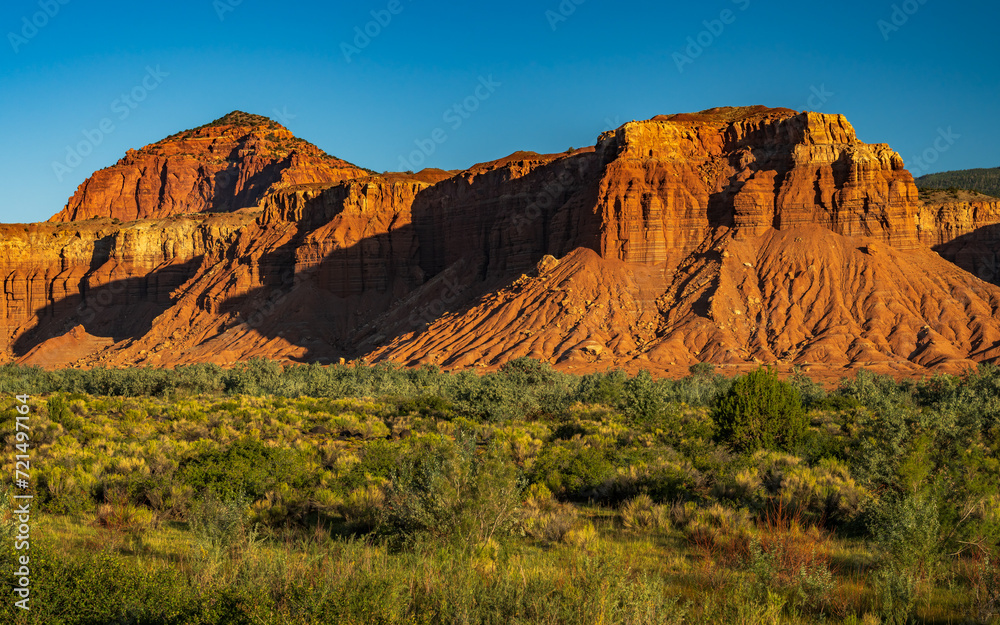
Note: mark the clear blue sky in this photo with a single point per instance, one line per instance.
(561, 82)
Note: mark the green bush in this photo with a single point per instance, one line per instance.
(643, 400)
(880, 393)
(248, 467)
(895, 594)
(219, 523)
(760, 412)
(446, 489)
(570, 469)
(602, 388)
(379, 460)
(905, 527)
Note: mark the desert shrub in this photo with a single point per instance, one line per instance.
(520, 444)
(714, 526)
(528, 372)
(119, 514)
(584, 537)
(880, 393)
(975, 400)
(282, 507)
(489, 398)
(444, 489)
(256, 376)
(641, 513)
(663, 479)
(522, 389)
(760, 411)
(800, 573)
(879, 440)
(812, 394)
(58, 409)
(823, 439)
(219, 523)
(981, 574)
(18, 379)
(604, 388)
(135, 382)
(543, 517)
(702, 370)
(702, 388)
(103, 587)
(378, 461)
(823, 492)
(426, 405)
(971, 494)
(895, 593)
(199, 378)
(800, 558)
(168, 499)
(573, 469)
(66, 490)
(363, 507)
(905, 527)
(643, 399)
(247, 467)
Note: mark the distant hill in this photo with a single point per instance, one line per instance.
(983, 180)
(952, 195)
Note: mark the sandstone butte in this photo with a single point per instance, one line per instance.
(735, 236)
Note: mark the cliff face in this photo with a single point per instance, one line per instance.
(223, 166)
(111, 279)
(964, 228)
(735, 236)
(673, 179)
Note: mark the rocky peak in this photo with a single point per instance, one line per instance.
(239, 118)
(228, 164)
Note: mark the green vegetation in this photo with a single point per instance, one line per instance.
(986, 181)
(357, 494)
(760, 412)
(239, 118)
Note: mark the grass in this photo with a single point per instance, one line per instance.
(420, 497)
(627, 577)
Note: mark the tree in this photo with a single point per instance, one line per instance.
(760, 412)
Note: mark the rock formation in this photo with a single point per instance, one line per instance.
(736, 236)
(964, 227)
(226, 165)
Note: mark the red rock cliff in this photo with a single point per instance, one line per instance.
(673, 178)
(220, 167)
(734, 236)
